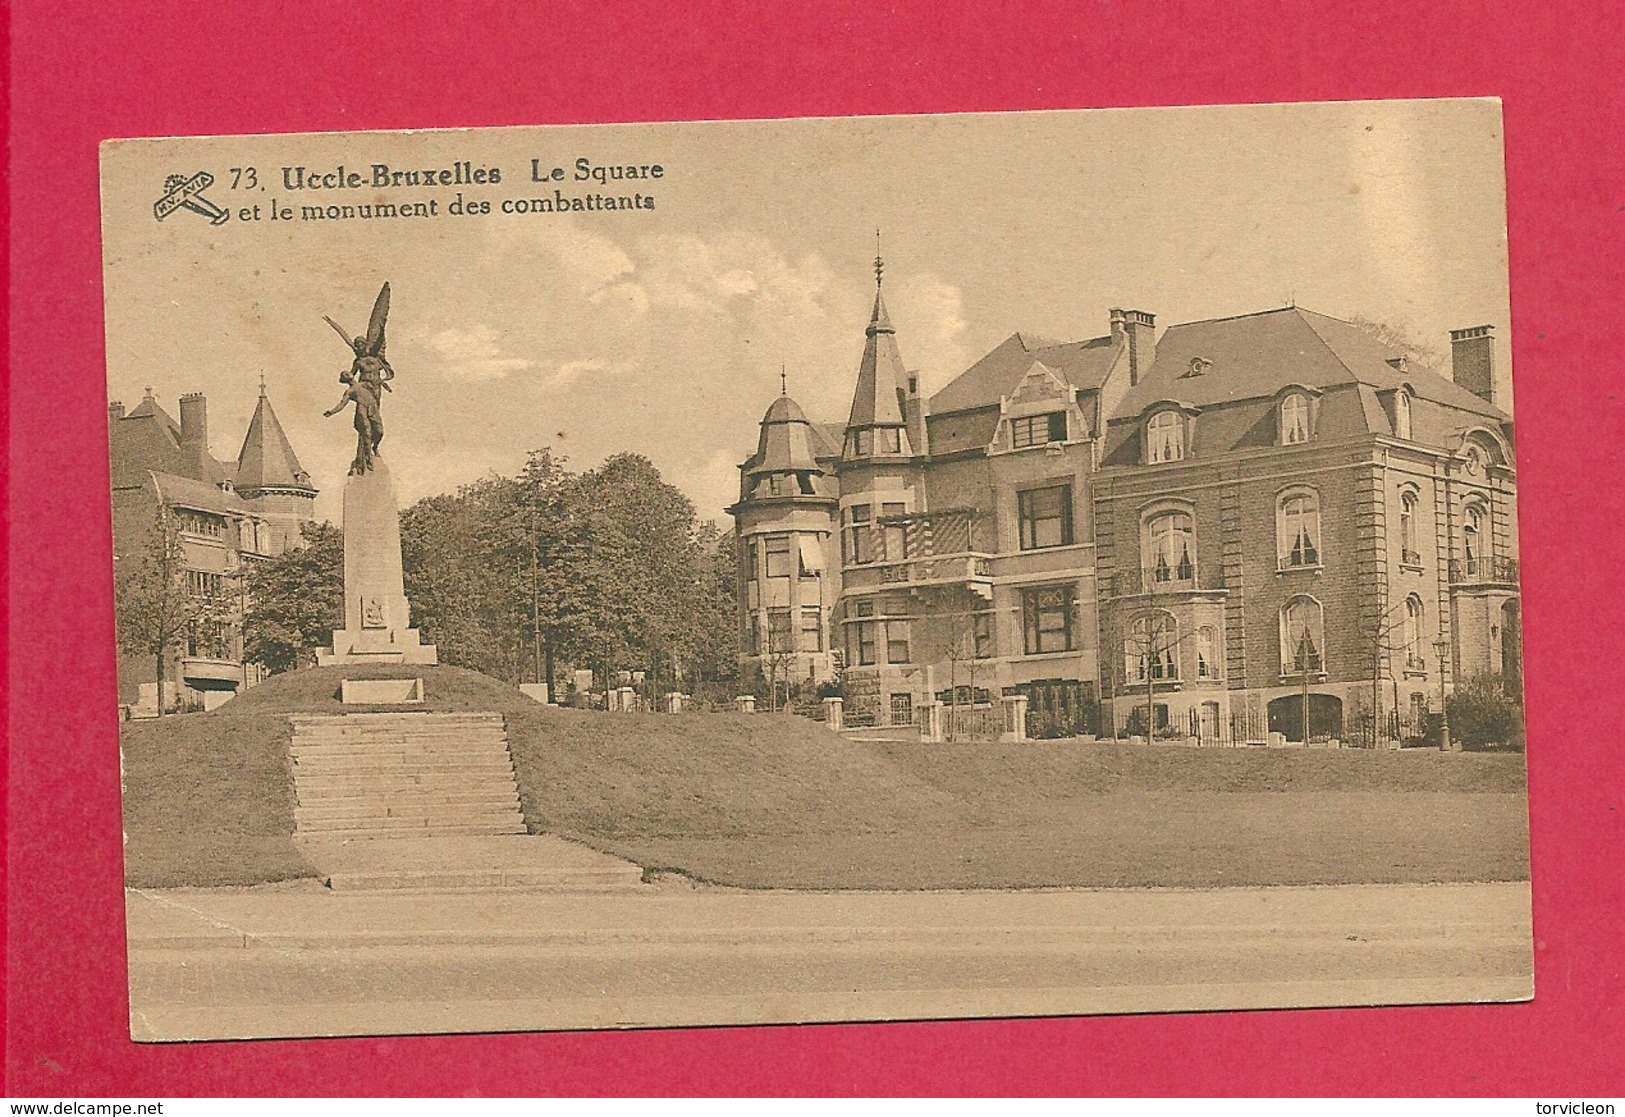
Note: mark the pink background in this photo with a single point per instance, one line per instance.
(83, 72)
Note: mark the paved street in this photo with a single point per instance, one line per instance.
(281, 962)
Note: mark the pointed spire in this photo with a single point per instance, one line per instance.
(881, 388)
(267, 460)
(784, 383)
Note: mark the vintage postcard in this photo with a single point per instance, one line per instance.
(812, 570)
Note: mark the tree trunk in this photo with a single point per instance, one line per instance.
(159, 677)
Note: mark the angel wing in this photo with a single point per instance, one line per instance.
(344, 333)
(375, 327)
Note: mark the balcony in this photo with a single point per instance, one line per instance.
(974, 571)
(1494, 571)
(1162, 580)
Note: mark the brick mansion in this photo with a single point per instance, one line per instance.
(1274, 523)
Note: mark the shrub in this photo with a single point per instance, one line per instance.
(1484, 715)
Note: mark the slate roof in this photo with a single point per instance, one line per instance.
(1083, 364)
(786, 441)
(188, 492)
(267, 459)
(1255, 355)
(882, 382)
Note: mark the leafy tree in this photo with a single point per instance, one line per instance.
(295, 601)
(1482, 714)
(153, 607)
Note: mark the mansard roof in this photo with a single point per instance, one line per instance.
(1082, 364)
(1253, 356)
(267, 460)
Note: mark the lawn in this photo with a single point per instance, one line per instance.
(776, 801)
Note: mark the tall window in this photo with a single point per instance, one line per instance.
(1207, 663)
(1046, 517)
(1298, 529)
(780, 638)
(1402, 414)
(1171, 548)
(1303, 635)
(1472, 541)
(897, 631)
(858, 548)
(1165, 437)
(811, 555)
(778, 556)
(1294, 419)
(982, 634)
(1149, 649)
(861, 643)
(1037, 430)
(893, 535)
(1412, 632)
(1047, 619)
(1408, 554)
(751, 557)
(812, 629)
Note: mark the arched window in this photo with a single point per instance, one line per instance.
(1149, 647)
(1297, 529)
(1303, 635)
(1165, 440)
(1294, 419)
(1412, 633)
(1408, 553)
(1472, 538)
(1170, 548)
(1207, 654)
(1402, 414)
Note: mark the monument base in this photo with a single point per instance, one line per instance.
(374, 645)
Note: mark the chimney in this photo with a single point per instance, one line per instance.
(1138, 329)
(1472, 360)
(194, 420)
(115, 410)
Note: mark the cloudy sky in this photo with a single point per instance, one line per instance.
(662, 331)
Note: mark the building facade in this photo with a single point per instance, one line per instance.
(226, 514)
(1268, 524)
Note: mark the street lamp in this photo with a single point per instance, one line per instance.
(1442, 646)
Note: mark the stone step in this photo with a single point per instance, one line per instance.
(404, 784)
(493, 822)
(470, 794)
(398, 752)
(443, 830)
(368, 722)
(383, 808)
(488, 879)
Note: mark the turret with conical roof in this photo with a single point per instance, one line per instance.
(877, 425)
(267, 461)
(270, 479)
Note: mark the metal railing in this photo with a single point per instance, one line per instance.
(1163, 579)
(1495, 568)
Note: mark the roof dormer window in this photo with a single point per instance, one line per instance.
(1402, 414)
(1165, 437)
(1294, 419)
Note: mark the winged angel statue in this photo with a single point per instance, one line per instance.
(365, 382)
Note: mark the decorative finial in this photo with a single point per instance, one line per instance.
(880, 264)
(262, 383)
(149, 391)
(784, 383)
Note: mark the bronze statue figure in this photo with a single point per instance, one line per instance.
(365, 382)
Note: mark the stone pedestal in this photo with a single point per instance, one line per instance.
(377, 621)
(928, 719)
(833, 718)
(1015, 717)
(745, 703)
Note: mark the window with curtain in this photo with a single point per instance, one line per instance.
(1298, 529)
(1170, 543)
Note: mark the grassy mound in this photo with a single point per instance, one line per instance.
(315, 690)
(208, 800)
(777, 801)
(766, 801)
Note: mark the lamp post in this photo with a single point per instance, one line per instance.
(1442, 646)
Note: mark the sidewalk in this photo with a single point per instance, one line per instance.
(224, 964)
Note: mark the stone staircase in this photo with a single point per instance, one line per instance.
(403, 775)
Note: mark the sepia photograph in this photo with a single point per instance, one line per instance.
(792, 571)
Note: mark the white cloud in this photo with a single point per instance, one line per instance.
(930, 318)
(473, 354)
